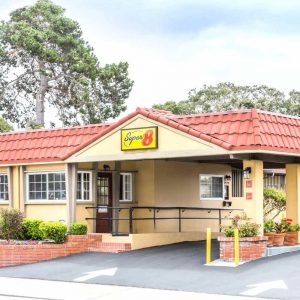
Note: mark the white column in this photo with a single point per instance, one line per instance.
(71, 192)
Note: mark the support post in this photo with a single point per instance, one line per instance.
(130, 220)
(236, 247)
(22, 189)
(15, 180)
(293, 193)
(116, 197)
(94, 193)
(179, 219)
(71, 192)
(220, 220)
(254, 191)
(208, 246)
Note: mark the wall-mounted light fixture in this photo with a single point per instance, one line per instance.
(227, 177)
(106, 167)
(247, 173)
(227, 203)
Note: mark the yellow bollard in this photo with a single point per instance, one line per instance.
(236, 247)
(208, 245)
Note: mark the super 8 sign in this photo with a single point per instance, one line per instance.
(139, 138)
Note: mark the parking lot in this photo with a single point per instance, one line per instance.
(173, 267)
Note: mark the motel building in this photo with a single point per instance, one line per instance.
(152, 178)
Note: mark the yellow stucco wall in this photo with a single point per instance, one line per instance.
(177, 184)
(144, 240)
(46, 212)
(82, 213)
(45, 167)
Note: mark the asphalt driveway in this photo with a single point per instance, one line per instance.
(176, 267)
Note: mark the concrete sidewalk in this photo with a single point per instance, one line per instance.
(14, 288)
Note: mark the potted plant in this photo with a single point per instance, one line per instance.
(291, 236)
(280, 229)
(269, 231)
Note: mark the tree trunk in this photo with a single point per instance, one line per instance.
(40, 97)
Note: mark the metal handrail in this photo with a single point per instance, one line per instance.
(156, 209)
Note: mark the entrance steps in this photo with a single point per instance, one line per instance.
(111, 246)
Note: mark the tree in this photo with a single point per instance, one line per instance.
(44, 59)
(228, 96)
(177, 108)
(4, 126)
(274, 203)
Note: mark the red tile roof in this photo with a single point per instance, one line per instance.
(238, 130)
(232, 130)
(45, 145)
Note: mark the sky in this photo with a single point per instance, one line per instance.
(173, 46)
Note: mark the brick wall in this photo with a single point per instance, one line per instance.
(250, 248)
(24, 254)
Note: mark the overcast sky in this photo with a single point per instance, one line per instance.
(173, 46)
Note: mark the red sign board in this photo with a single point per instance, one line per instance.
(248, 196)
(248, 183)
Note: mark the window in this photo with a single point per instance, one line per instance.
(237, 183)
(104, 186)
(276, 181)
(211, 187)
(126, 187)
(83, 186)
(46, 186)
(3, 187)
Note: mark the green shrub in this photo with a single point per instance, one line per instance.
(269, 226)
(246, 228)
(31, 230)
(228, 231)
(10, 223)
(78, 229)
(53, 231)
(294, 227)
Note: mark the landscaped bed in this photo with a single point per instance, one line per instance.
(25, 241)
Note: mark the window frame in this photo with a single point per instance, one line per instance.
(8, 195)
(37, 201)
(123, 187)
(90, 187)
(212, 198)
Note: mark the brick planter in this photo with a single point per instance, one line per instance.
(251, 248)
(11, 255)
